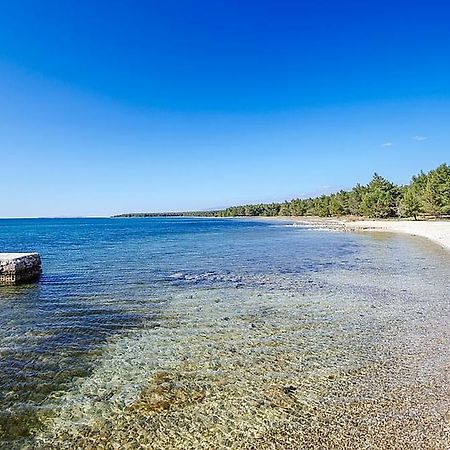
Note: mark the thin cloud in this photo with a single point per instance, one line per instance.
(419, 138)
(387, 144)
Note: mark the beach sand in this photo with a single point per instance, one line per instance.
(436, 231)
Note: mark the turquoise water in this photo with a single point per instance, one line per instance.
(106, 281)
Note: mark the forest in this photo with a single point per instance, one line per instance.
(427, 195)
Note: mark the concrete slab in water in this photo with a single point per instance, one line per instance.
(18, 268)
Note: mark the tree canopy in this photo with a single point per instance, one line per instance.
(428, 194)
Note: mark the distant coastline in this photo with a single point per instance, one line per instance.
(437, 231)
(426, 196)
(168, 214)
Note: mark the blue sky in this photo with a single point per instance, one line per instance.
(109, 107)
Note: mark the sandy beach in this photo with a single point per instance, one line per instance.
(436, 231)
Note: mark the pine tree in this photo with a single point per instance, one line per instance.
(410, 205)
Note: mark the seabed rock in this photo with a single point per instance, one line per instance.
(16, 268)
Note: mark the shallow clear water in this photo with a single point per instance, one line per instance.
(121, 300)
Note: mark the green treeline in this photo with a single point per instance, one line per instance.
(170, 214)
(428, 194)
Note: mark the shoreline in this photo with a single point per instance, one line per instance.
(435, 231)
(278, 353)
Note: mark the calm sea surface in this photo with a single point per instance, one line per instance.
(286, 320)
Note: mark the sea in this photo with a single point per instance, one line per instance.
(214, 333)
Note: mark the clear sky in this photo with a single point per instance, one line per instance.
(119, 106)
